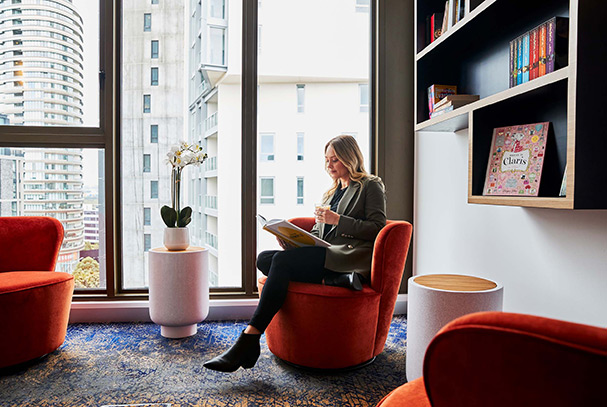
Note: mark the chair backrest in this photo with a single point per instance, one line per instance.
(387, 267)
(503, 359)
(29, 243)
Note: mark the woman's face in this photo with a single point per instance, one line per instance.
(335, 168)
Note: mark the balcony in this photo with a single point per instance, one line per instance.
(210, 167)
(210, 125)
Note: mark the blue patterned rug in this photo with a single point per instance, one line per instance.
(129, 364)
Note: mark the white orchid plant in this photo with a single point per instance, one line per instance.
(179, 157)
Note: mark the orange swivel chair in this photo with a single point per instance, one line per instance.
(326, 327)
(502, 359)
(34, 300)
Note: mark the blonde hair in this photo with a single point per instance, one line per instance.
(349, 154)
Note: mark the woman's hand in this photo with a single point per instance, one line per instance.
(326, 216)
(284, 244)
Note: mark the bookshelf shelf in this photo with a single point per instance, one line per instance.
(474, 55)
(458, 118)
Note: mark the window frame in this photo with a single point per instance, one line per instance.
(102, 137)
(154, 49)
(106, 136)
(154, 75)
(147, 22)
(264, 156)
(267, 197)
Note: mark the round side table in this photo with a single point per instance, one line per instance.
(434, 300)
(179, 290)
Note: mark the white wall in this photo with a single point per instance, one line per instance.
(551, 262)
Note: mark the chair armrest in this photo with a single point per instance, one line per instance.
(503, 359)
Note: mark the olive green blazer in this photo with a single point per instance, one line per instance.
(362, 211)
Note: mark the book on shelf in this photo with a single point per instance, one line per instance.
(437, 92)
(455, 100)
(291, 233)
(451, 5)
(513, 63)
(526, 57)
(542, 50)
(516, 160)
(557, 43)
(519, 60)
(460, 10)
(563, 191)
(436, 21)
(441, 111)
(445, 25)
(533, 53)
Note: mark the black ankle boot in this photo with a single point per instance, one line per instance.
(346, 280)
(244, 352)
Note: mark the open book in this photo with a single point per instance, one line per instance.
(291, 233)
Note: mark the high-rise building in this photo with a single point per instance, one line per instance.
(41, 84)
(153, 96)
(313, 76)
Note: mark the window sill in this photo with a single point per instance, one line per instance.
(138, 311)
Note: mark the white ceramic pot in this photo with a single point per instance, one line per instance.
(176, 238)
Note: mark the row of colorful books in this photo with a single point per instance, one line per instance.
(539, 51)
(439, 23)
(444, 98)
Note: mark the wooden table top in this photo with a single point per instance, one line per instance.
(454, 282)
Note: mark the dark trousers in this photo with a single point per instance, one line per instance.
(302, 264)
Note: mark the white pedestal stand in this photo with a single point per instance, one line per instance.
(435, 300)
(179, 290)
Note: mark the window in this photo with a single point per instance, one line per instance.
(154, 49)
(300, 146)
(154, 133)
(300, 190)
(147, 22)
(362, 6)
(147, 242)
(147, 163)
(217, 9)
(147, 216)
(301, 93)
(363, 92)
(154, 1)
(267, 191)
(147, 103)
(267, 147)
(154, 76)
(217, 46)
(154, 189)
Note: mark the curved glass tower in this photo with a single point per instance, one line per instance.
(41, 62)
(41, 84)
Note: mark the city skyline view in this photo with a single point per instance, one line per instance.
(181, 76)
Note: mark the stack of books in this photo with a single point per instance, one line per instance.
(539, 51)
(450, 102)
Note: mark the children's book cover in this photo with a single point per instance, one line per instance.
(516, 159)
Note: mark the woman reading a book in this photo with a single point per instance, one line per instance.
(357, 213)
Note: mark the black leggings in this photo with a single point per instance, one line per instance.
(302, 264)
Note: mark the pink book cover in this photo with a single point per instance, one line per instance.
(516, 159)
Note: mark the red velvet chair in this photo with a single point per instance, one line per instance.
(326, 327)
(503, 360)
(34, 300)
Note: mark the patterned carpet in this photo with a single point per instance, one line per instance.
(111, 364)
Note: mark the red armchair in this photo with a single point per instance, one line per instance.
(501, 359)
(326, 327)
(34, 300)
